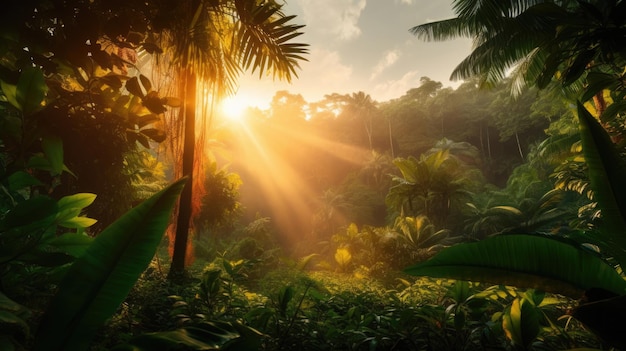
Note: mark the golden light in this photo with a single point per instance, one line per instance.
(233, 108)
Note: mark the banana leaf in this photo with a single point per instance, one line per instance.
(550, 263)
(97, 283)
(531, 261)
(607, 172)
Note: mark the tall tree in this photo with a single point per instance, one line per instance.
(80, 52)
(210, 42)
(354, 110)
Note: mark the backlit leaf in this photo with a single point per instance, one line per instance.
(31, 90)
(531, 261)
(100, 279)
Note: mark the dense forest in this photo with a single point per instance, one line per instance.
(135, 216)
(333, 160)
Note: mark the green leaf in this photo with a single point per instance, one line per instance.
(30, 212)
(73, 244)
(10, 92)
(607, 172)
(46, 257)
(67, 214)
(78, 222)
(21, 179)
(39, 161)
(521, 322)
(76, 201)
(596, 82)
(578, 66)
(285, 295)
(12, 318)
(53, 150)
(99, 280)
(31, 90)
(531, 261)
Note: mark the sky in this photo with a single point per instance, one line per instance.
(362, 45)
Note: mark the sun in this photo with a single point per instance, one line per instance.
(233, 108)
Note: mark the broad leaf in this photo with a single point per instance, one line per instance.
(10, 92)
(76, 201)
(607, 172)
(73, 244)
(100, 279)
(31, 90)
(521, 322)
(78, 222)
(539, 262)
(22, 179)
(132, 85)
(29, 212)
(53, 149)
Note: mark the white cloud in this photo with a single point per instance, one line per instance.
(336, 18)
(392, 89)
(406, 2)
(388, 60)
(324, 74)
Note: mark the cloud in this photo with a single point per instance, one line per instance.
(324, 74)
(388, 60)
(392, 89)
(336, 18)
(406, 2)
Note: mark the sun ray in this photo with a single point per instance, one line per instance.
(284, 190)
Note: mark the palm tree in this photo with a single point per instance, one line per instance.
(576, 42)
(356, 107)
(361, 106)
(211, 42)
(432, 186)
(376, 169)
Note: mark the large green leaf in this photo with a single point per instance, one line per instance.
(52, 147)
(607, 172)
(100, 279)
(539, 262)
(31, 90)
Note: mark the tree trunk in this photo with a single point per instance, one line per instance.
(519, 146)
(177, 268)
(369, 131)
(391, 140)
(488, 144)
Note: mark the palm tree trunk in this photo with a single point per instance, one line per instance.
(488, 143)
(184, 208)
(391, 139)
(369, 131)
(519, 146)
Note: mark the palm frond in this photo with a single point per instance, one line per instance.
(442, 30)
(261, 40)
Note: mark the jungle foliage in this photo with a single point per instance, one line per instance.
(446, 219)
